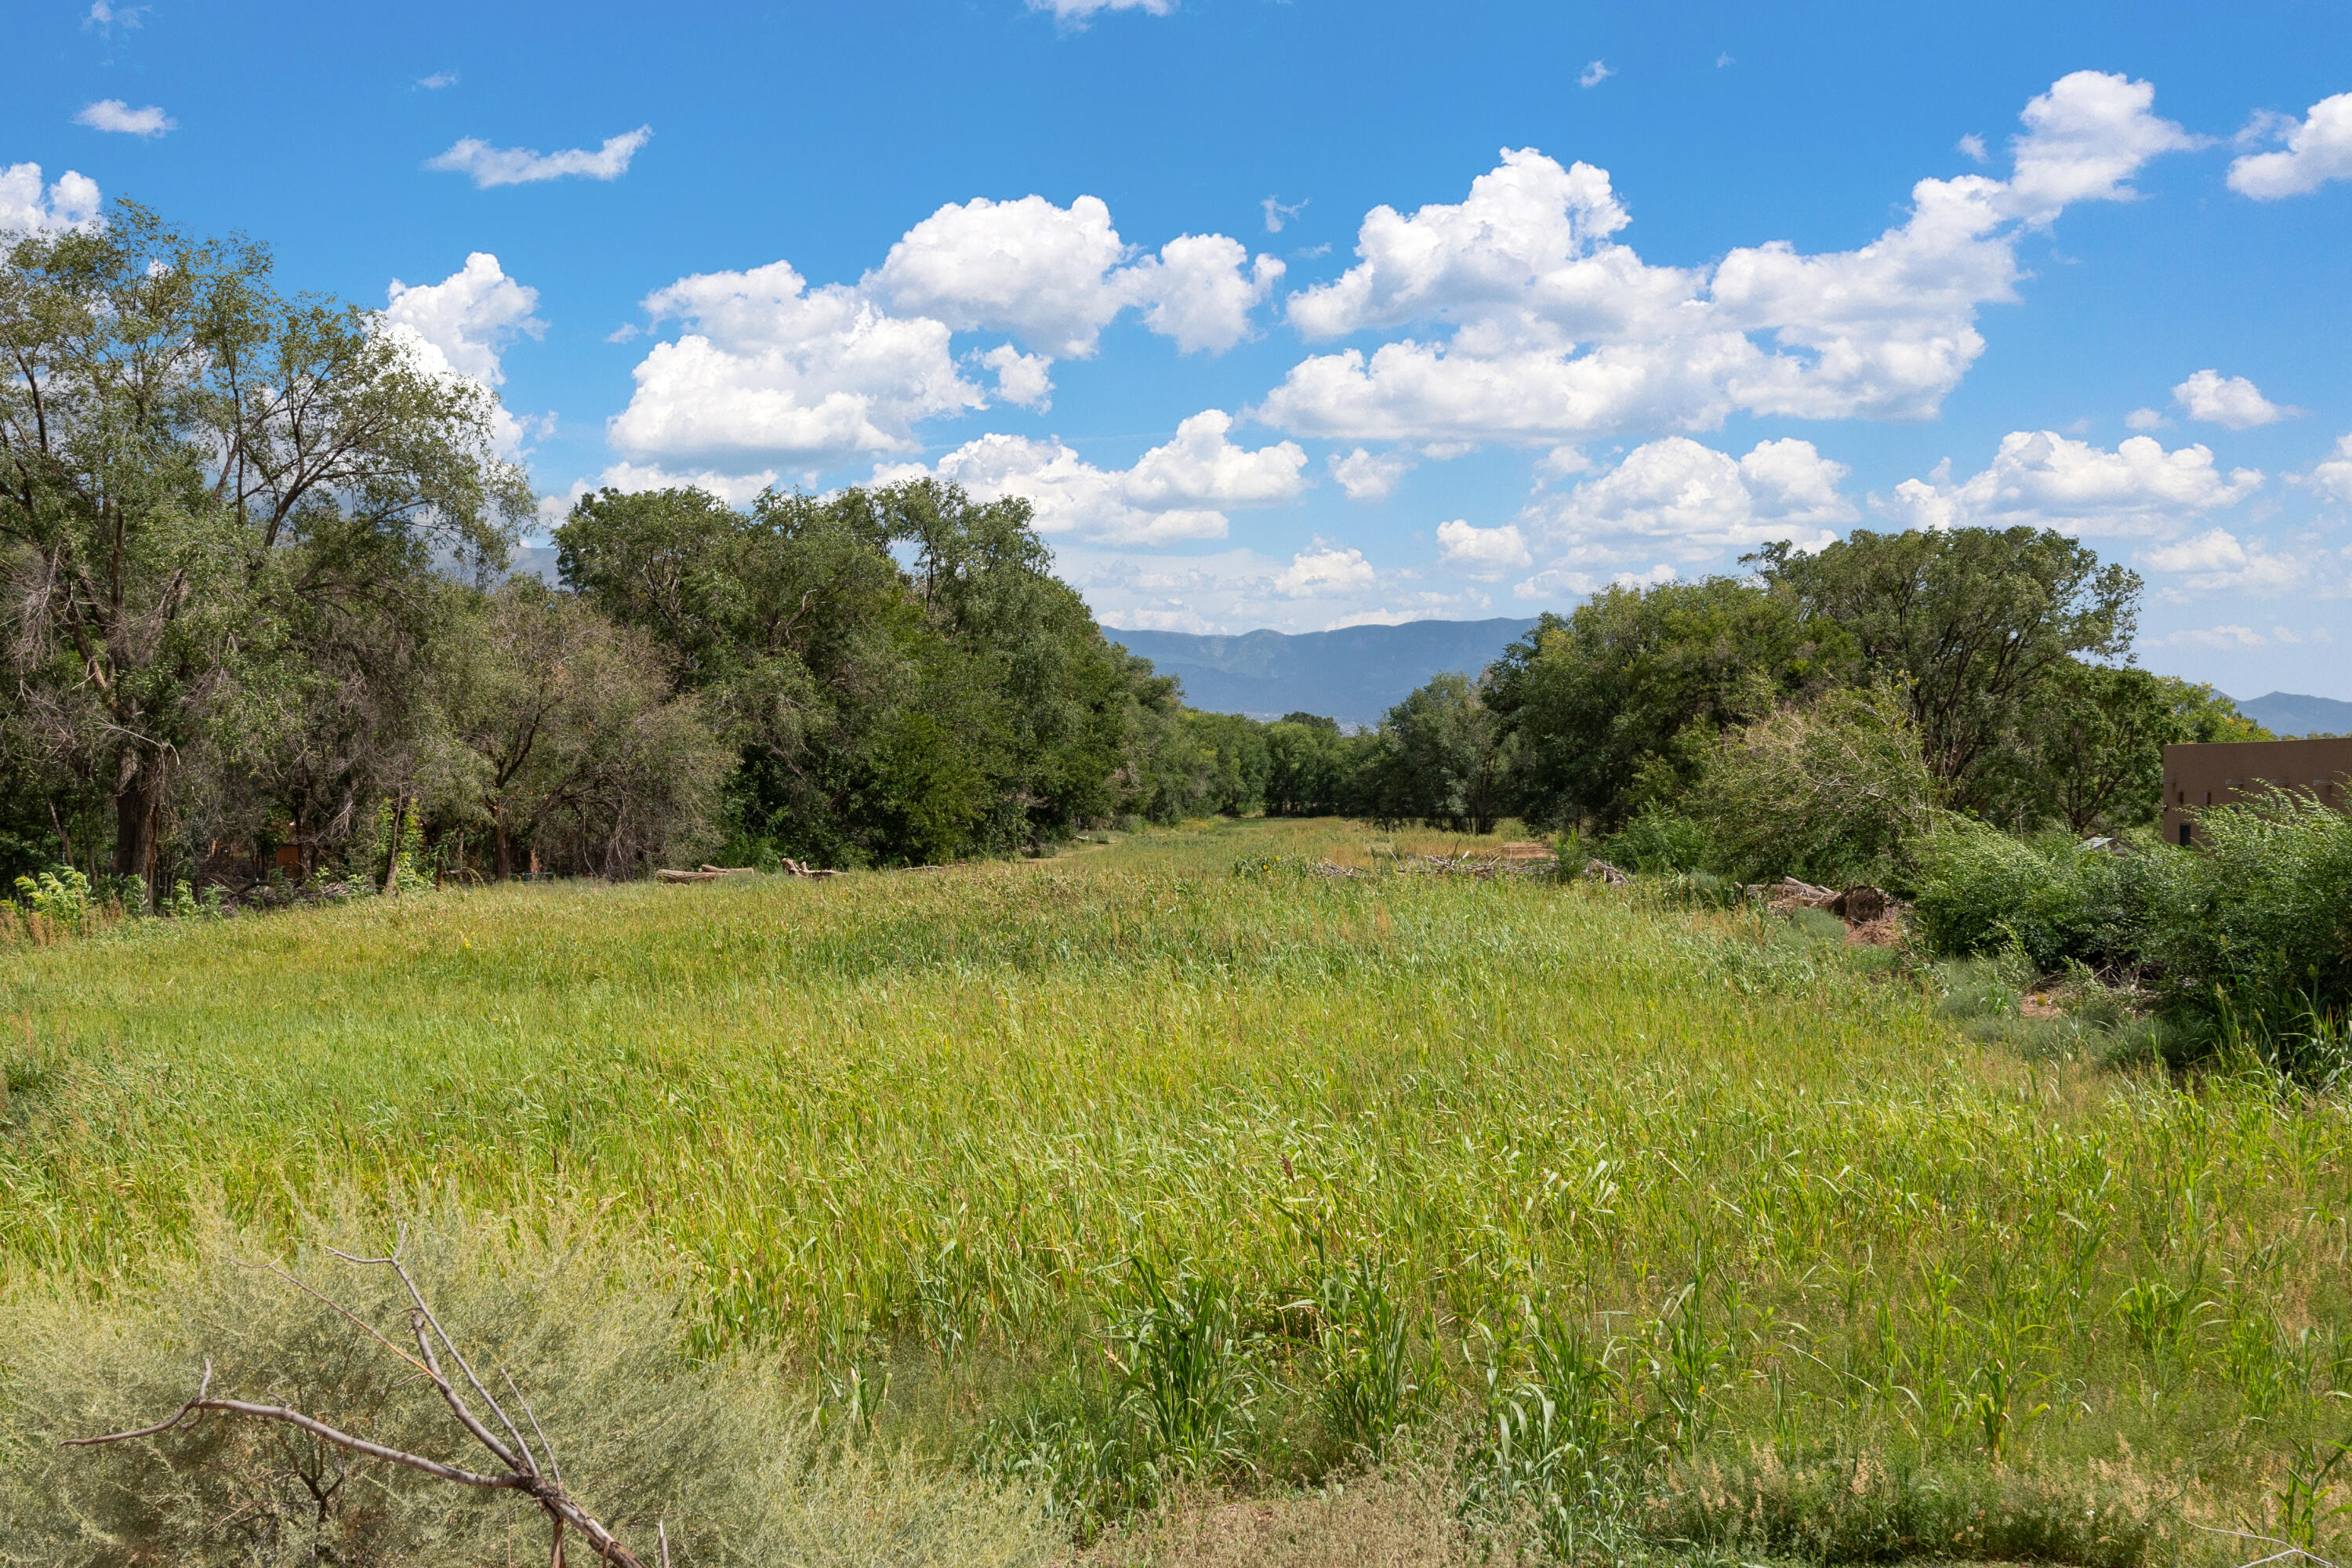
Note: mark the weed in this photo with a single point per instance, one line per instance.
(61, 897)
(1185, 1367)
(1372, 1383)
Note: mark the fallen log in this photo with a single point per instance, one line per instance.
(1790, 893)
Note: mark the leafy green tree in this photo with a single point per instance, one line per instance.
(963, 701)
(2090, 750)
(1444, 758)
(1311, 768)
(1620, 703)
(2201, 714)
(566, 740)
(1233, 763)
(1972, 621)
(196, 474)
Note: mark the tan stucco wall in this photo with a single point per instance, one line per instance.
(2215, 774)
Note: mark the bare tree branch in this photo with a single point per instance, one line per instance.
(522, 1474)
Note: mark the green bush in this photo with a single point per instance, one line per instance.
(1980, 890)
(716, 1454)
(1659, 842)
(2254, 933)
(62, 895)
(1830, 790)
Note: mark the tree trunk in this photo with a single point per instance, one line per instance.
(138, 801)
(391, 858)
(501, 846)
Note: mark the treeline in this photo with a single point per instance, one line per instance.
(1796, 720)
(258, 628)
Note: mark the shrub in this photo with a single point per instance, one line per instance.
(1980, 890)
(62, 896)
(1829, 791)
(593, 1342)
(1658, 842)
(2254, 932)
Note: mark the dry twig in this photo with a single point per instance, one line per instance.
(520, 1469)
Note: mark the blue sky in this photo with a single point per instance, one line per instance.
(1301, 315)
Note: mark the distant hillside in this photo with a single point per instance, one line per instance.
(2285, 713)
(1353, 675)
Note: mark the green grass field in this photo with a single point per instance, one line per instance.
(1124, 1167)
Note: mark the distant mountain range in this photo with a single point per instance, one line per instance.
(1353, 675)
(2285, 713)
(1358, 673)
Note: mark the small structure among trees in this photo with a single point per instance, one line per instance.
(2198, 777)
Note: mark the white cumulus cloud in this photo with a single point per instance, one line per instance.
(1200, 289)
(1180, 491)
(1484, 553)
(775, 372)
(2232, 401)
(735, 490)
(2318, 149)
(470, 316)
(1201, 466)
(1326, 572)
(2041, 479)
(26, 206)
(2219, 561)
(460, 326)
(1531, 321)
(1368, 476)
(489, 167)
(2085, 139)
(1055, 277)
(2331, 474)
(113, 114)
(1024, 379)
(771, 370)
(1699, 501)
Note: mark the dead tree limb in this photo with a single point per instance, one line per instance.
(519, 1468)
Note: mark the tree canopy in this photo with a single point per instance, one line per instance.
(211, 495)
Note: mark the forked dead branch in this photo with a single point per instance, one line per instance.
(520, 1467)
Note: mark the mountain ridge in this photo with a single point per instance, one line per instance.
(1354, 674)
(2287, 713)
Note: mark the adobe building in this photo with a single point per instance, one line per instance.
(2223, 772)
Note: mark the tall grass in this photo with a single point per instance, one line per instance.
(1056, 1152)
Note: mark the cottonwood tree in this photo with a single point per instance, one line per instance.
(564, 736)
(1972, 621)
(1443, 758)
(902, 674)
(1618, 704)
(197, 476)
